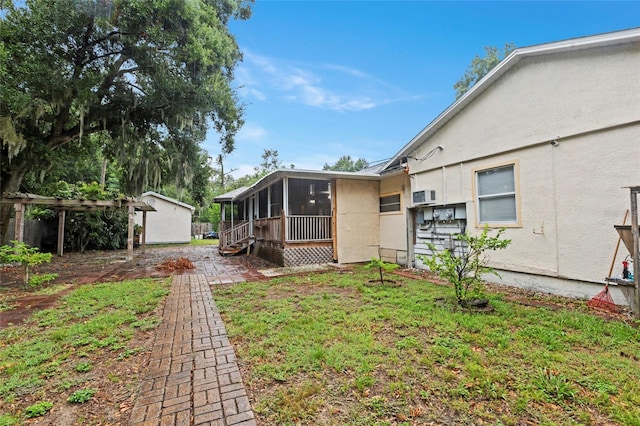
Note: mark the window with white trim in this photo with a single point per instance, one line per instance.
(496, 195)
(390, 203)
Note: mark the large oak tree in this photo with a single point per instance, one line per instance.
(151, 75)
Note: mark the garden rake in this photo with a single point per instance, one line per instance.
(603, 300)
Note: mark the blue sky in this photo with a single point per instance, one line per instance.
(323, 79)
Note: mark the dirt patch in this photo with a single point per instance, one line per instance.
(115, 377)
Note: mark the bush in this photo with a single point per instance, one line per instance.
(19, 252)
(465, 271)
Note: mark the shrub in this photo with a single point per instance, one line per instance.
(19, 252)
(465, 271)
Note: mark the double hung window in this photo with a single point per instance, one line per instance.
(496, 195)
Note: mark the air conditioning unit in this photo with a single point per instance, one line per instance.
(426, 196)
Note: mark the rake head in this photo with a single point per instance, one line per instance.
(603, 300)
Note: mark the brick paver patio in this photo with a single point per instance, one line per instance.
(193, 377)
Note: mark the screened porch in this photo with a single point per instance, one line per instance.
(286, 211)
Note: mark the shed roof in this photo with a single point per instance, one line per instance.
(168, 199)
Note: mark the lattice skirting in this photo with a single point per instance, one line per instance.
(294, 256)
(298, 256)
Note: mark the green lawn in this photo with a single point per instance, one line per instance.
(334, 348)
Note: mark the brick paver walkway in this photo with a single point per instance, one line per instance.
(193, 377)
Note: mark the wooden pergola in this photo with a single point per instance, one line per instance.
(20, 200)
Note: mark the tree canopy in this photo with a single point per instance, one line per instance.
(151, 76)
(346, 164)
(480, 66)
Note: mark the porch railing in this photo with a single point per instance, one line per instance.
(308, 228)
(269, 229)
(231, 236)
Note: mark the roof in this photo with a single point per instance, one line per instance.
(294, 173)
(168, 199)
(575, 44)
(229, 196)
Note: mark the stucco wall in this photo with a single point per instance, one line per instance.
(170, 223)
(357, 220)
(393, 225)
(570, 195)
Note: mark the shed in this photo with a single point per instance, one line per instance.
(171, 222)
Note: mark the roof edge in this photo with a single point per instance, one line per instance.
(573, 44)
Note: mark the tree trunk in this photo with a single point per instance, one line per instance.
(11, 182)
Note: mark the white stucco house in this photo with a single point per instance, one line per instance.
(170, 223)
(544, 146)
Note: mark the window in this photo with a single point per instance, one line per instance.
(390, 203)
(496, 195)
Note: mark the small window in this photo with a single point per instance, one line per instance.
(496, 195)
(390, 203)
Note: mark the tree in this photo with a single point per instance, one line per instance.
(346, 164)
(479, 67)
(151, 75)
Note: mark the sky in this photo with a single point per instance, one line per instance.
(323, 79)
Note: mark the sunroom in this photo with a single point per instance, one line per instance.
(291, 217)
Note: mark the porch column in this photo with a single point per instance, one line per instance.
(285, 208)
(231, 213)
(334, 219)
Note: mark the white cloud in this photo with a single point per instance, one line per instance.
(252, 132)
(242, 170)
(334, 87)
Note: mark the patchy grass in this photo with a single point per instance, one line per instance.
(63, 355)
(204, 242)
(328, 348)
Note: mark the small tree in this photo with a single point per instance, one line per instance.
(465, 271)
(19, 252)
(382, 267)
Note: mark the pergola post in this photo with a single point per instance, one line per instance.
(130, 233)
(61, 216)
(19, 223)
(143, 241)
